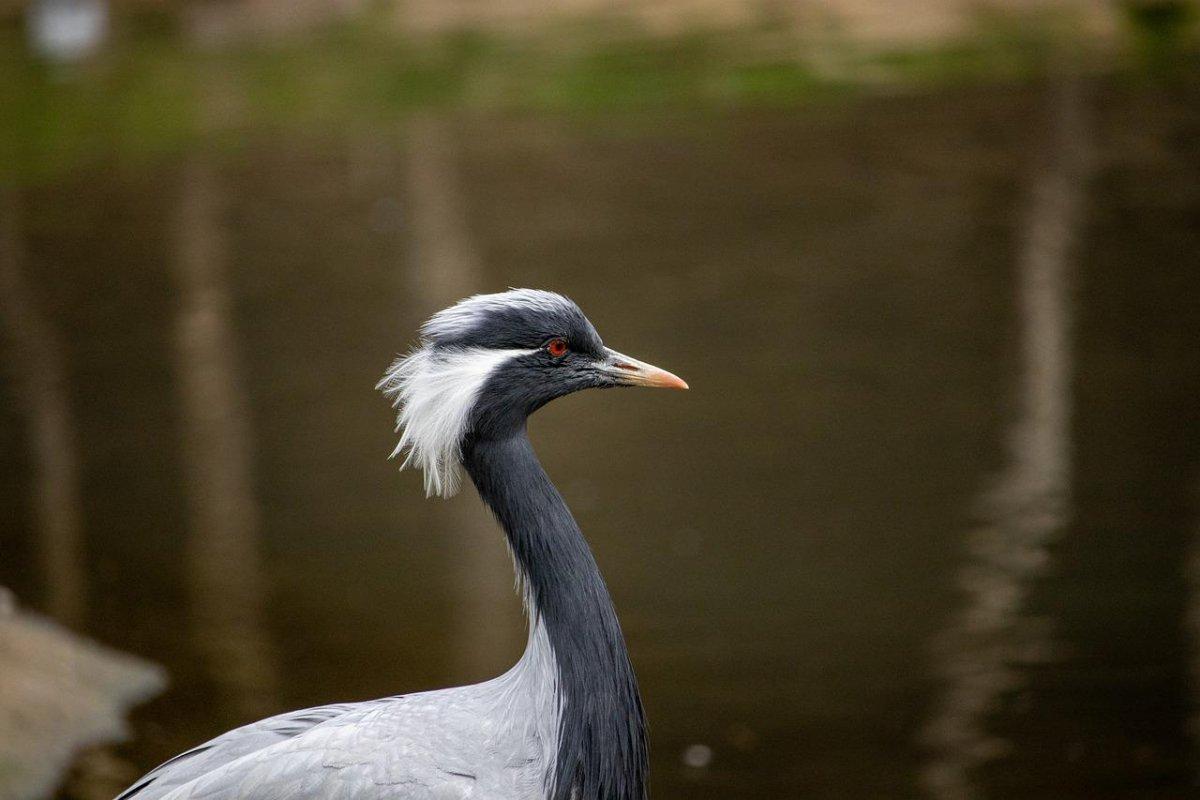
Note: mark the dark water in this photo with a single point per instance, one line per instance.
(927, 525)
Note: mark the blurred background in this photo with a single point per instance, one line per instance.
(927, 525)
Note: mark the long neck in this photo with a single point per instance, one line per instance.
(601, 744)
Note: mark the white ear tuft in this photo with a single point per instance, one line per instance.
(433, 391)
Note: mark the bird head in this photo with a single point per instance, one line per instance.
(488, 362)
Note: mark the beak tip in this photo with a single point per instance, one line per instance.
(665, 380)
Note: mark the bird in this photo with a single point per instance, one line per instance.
(566, 722)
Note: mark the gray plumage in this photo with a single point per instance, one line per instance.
(566, 722)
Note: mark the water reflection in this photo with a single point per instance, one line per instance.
(223, 560)
(444, 261)
(838, 283)
(1027, 507)
(444, 264)
(39, 370)
(1192, 628)
(59, 693)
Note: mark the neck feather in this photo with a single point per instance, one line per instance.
(601, 752)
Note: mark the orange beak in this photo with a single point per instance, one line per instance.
(631, 372)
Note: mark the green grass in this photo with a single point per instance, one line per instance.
(151, 94)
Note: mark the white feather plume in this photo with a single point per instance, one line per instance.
(433, 391)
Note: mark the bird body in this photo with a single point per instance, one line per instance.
(566, 722)
(489, 740)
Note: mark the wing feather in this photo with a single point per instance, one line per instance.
(442, 745)
(228, 747)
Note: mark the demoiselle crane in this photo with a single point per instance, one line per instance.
(566, 722)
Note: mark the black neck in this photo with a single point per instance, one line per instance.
(602, 744)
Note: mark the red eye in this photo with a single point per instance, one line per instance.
(556, 347)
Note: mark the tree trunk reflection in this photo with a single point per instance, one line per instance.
(223, 560)
(1027, 507)
(40, 373)
(445, 265)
